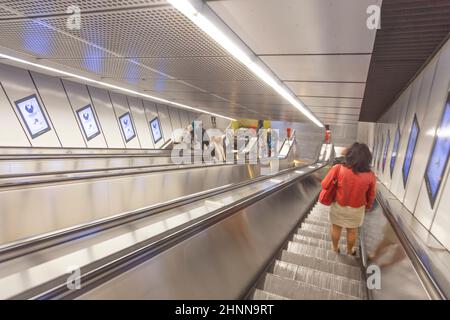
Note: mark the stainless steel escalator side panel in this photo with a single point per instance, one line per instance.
(222, 261)
(28, 275)
(29, 167)
(397, 277)
(429, 258)
(40, 209)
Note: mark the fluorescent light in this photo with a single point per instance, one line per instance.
(108, 85)
(187, 8)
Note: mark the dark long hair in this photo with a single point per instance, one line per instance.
(358, 158)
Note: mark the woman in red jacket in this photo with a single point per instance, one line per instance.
(355, 193)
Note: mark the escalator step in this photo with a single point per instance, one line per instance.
(344, 270)
(264, 295)
(325, 224)
(318, 278)
(318, 219)
(321, 253)
(313, 227)
(326, 244)
(293, 289)
(314, 232)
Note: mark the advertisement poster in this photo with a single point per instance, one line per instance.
(33, 116)
(156, 130)
(127, 127)
(88, 122)
(439, 155)
(412, 141)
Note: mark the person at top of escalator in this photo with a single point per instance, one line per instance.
(355, 193)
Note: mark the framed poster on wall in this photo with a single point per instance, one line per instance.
(88, 122)
(437, 163)
(411, 147)
(394, 151)
(386, 148)
(126, 123)
(33, 116)
(155, 127)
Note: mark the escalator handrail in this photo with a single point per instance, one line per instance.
(430, 285)
(56, 156)
(101, 272)
(19, 248)
(163, 167)
(130, 171)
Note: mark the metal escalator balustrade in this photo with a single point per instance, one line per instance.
(308, 269)
(130, 239)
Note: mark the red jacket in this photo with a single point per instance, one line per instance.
(354, 189)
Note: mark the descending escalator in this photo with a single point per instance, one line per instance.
(308, 269)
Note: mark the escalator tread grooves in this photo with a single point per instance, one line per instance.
(307, 268)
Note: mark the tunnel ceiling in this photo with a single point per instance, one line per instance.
(411, 30)
(320, 48)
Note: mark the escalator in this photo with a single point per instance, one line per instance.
(256, 237)
(36, 268)
(263, 239)
(308, 269)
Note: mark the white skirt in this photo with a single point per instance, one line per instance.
(346, 217)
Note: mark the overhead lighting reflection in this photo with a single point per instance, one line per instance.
(188, 9)
(109, 85)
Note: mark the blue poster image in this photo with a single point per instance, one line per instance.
(386, 147)
(439, 155)
(156, 130)
(33, 116)
(88, 122)
(394, 151)
(412, 141)
(127, 127)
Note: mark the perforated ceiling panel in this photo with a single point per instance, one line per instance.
(149, 46)
(54, 7)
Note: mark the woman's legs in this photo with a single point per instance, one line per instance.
(335, 236)
(351, 239)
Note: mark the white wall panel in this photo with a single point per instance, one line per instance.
(121, 107)
(393, 118)
(152, 112)
(184, 118)
(397, 178)
(425, 90)
(141, 122)
(107, 117)
(58, 108)
(175, 118)
(437, 102)
(79, 97)
(17, 84)
(404, 106)
(384, 170)
(438, 97)
(11, 132)
(441, 224)
(192, 116)
(421, 155)
(164, 119)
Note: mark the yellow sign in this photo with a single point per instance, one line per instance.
(249, 123)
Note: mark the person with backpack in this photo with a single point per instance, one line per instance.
(350, 190)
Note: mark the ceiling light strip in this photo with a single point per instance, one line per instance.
(197, 10)
(108, 85)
